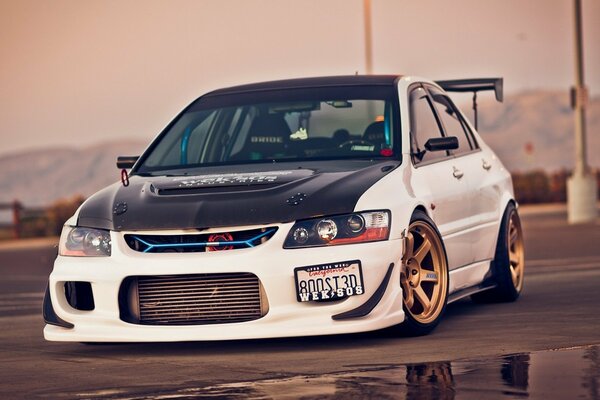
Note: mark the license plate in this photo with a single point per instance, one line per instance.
(329, 281)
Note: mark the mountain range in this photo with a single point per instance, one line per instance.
(40, 177)
(530, 130)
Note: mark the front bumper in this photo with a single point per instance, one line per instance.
(274, 267)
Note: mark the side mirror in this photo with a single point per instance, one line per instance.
(442, 143)
(126, 162)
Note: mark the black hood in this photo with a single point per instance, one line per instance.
(224, 196)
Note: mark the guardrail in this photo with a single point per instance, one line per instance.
(22, 221)
(20, 214)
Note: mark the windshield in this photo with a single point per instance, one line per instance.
(310, 126)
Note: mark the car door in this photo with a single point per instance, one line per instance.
(487, 177)
(440, 180)
(486, 174)
(475, 164)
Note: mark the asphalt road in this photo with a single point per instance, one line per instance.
(558, 310)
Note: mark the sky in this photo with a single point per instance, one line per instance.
(75, 73)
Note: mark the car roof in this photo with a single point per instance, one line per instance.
(315, 82)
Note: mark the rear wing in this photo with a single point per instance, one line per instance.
(475, 85)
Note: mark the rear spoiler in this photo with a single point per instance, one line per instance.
(475, 85)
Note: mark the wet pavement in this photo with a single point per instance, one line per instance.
(556, 374)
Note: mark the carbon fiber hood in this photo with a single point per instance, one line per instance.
(234, 196)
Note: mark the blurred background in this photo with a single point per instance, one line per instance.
(84, 81)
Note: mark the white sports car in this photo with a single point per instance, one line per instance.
(289, 208)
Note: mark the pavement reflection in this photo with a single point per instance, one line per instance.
(557, 374)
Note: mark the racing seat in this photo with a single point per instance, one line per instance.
(341, 136)
(268, 137)
(375, 133)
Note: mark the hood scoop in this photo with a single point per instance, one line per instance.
(225, 182)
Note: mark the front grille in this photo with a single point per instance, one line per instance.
(193, 299)
(199, 242)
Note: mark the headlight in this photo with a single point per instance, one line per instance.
(370, 226)
(84, 242)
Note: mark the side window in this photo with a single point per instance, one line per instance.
(451, 120)
(423, 126)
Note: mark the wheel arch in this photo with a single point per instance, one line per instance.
(406, 217)
(421, 207)
(506, 201)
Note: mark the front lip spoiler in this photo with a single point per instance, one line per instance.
(369, 305)
(50, 316)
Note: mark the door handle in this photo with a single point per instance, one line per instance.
(457, 173)
(486, 165)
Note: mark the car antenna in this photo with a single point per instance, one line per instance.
(475, 109)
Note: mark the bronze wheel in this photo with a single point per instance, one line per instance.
(508, 266)
(424, 277)
(516, 251)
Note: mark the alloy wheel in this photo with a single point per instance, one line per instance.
(516, 253)
(425, 273)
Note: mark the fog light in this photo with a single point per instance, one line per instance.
(327, 229)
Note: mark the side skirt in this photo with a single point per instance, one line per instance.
(469, 291)
(470, 279)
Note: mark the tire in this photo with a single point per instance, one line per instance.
(424, 277)
(508, 266)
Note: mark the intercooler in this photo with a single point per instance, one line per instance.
(196, 299)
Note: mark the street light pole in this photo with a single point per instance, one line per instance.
(368, 37)
(582, 189)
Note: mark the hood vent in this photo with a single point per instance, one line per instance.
(234, 182)
(208, 189)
